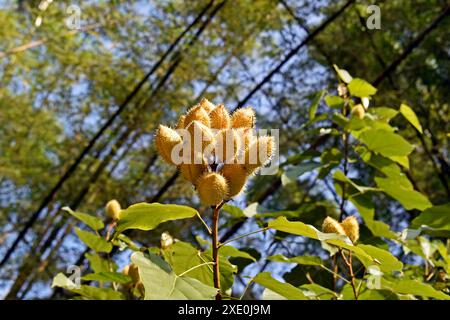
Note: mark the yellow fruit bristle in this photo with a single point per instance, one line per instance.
(220, 118)
(236, 176)
(358, 111)
(243, 118)
(259, 153)
(201, 136)
(227, 145)
(197, 113)
(330, 225)
(180, 123)
(351, 228)
(207, 105)
(192, 172)
(166, 139)
(113, 209)
(133, 272)
(212, 188)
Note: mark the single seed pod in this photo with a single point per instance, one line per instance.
(192, 172)
(246, 137)
(207, 105)
(220, 118)
(113, 210)
(330, 225)
(259, 153)
(133, 272)
(243, 118)
(126, 270)
(227, 145)
(212, 188)
(197, 113)
(166, 240)
(236, 176)
(166, 139)
(358, 111)
(201, 136)
(351, 228)
(180, 123)
(342, 90)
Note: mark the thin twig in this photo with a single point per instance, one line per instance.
(349, 263)
(204, 223)
(335, 274)
(243, 236)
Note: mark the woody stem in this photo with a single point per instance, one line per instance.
(349, 264)
(215, 250)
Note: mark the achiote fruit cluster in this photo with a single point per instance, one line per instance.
(214, 150)
(349, 227)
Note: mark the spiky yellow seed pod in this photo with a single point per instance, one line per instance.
(113, 210)
(212, 188)
(236, 176)
(246, 137)
(197, 113)
(227, 145)
(166, 139)
(201, 136)
(207, 105)
(351, 228)
(166, 240)
(133, 272)
(180, 123)
(330, 225)
(220, 118)
(126, 270)
(259, 153)
(358, 111)
(192, 172)
(243, 118)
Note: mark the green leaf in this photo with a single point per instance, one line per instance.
(361, 88)
(107, 277)
(385, 260)
(340, 176)
(436, 217)
(232, 252)
(386, 143)
(147, 216)
(384, 113)
(161, 283)
(94, 241)
(182, 256)
(297, 227)
(91, 221)
(366, 210)
(315, 104)
(290, 175)
(284, 289)
(343, 74)
(410, 199)
(303, 260)
(98, 264)
(339, 119)
(334, 102)
(92, 293)
(409, 115)
(414, 287)
(316, 291)
(233, 210)
(401, 160)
